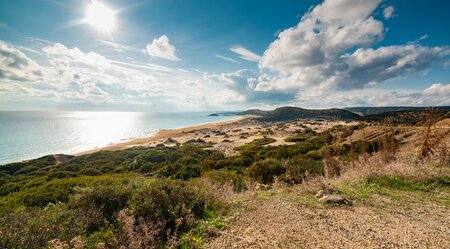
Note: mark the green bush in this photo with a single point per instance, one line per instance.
(298, 169)
(34, 228)
(171, 202)
(109, 199)
(223, 177)
(187, 172)
(90, 172)
(265, 171)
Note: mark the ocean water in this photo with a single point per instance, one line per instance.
(28, 135)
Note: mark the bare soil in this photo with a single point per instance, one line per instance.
(280, 220)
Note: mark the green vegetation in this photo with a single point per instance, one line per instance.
(154, 196)
(157, 196)
(412, 117)
(264, 171)
(400, 188)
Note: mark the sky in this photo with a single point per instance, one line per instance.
(199, 55)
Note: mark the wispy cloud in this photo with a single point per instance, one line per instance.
(149, 66)
(226, 58)
(118, 47)
(245, 53)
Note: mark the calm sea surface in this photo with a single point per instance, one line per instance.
(27, 135)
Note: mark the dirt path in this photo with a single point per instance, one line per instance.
(277, 222)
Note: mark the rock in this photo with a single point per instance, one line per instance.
(335, 200)
(77, 243)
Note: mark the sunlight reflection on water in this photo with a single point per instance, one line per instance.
(25, 135)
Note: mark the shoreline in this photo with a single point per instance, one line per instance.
(164, 134)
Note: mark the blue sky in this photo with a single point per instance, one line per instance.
(180, 55)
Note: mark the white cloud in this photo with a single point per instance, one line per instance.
(245, 53)
(324, 34)
(226, 58)
(15, 65)
(242, 82)
(343, 11)
(189, 83)
(162, 48)
(70, 77)
(438, 89)
(388, 12)
(70, 74)
(118, 47)
(330, 50)
(372, 97)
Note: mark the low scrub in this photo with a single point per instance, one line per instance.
(266, 170)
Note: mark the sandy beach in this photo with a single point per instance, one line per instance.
(223, 135)
(161, 136)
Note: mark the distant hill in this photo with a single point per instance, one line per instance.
(255, 112)
(293, 113)
(365, 111)
(415, 117)
(402, 114)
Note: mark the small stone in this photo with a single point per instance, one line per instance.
(335, 200)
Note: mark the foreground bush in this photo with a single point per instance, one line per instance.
(149, 210)
(298, 169)
(264, 171)
(171, 206)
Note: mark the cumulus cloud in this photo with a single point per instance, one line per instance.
(242, 82)
(376, 97)
(330, 50)
(162, 48)
(15, 65)
(69, 74)
(245, 53)
(388, 12)
(323, 35)
(438, 89)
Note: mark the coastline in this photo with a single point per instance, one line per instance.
(164, 134)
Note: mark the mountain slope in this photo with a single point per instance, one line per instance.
(293, 113)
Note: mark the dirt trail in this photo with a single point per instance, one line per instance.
(280, 223)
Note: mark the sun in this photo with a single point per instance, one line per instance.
(100, 17)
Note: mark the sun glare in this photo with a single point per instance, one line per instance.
(100, 17)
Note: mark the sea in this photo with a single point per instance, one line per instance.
(27, 135)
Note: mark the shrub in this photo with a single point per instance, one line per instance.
(33, 229)
(109, 199)
(188, 171)
(90, 172)
(265, 171)
(173, 203)
(298, 169)
(223, 177)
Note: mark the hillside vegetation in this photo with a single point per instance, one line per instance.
(181, 196)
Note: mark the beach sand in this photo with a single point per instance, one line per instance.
(161, 136)
(224, 135)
